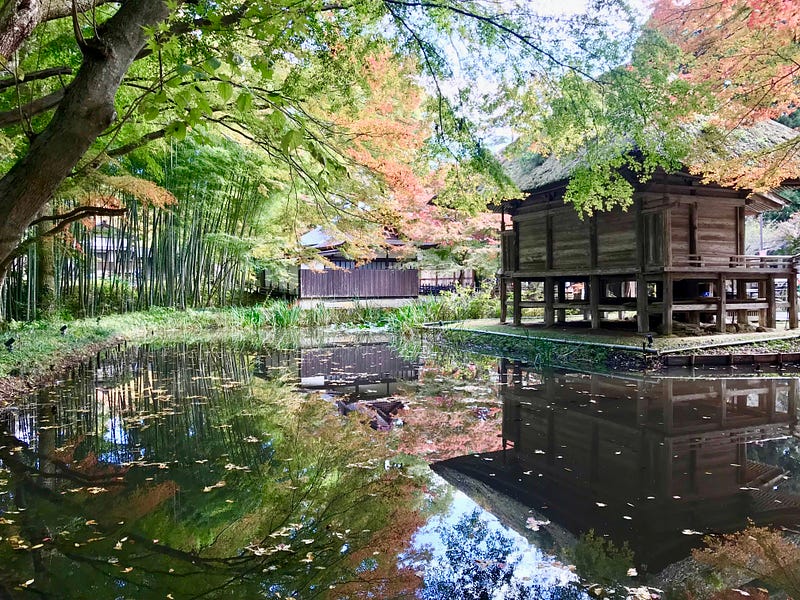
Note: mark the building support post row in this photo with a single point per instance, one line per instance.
(517, 300)
(561, 314)
(722, 306)
(741, 295)
(791, 295)
(771, 304)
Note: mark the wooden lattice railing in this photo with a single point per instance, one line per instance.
(739, 261)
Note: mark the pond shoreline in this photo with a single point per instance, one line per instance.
(16, 386)
(607, 351)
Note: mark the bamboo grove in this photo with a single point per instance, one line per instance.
(197, 251)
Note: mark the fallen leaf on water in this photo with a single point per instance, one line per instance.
(219, 484)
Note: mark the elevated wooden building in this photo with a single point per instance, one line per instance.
(678, 253)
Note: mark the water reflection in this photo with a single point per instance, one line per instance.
(173, 471)
(210, 471)
(652, 462)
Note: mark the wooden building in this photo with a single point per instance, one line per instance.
(387, 274)
(678, 253)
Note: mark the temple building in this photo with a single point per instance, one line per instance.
(677, 254)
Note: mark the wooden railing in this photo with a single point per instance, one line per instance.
(740, 261)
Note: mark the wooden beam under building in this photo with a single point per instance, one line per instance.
(549, 299)
(642, 317)
(517, 299)
(594, 301)
(721, 307)
(771, 304)
(503, 299)
(667, 301)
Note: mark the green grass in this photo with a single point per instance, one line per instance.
(39, 345)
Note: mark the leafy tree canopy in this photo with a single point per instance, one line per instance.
(88, 83)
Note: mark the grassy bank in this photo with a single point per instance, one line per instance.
(464, 303)
(42, 346)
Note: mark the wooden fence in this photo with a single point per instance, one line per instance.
(359, 284)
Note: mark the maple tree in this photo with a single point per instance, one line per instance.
(87, 83)
(741, 57)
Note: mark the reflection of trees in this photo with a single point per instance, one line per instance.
(479, 564)
(163, 474)
(451, 410)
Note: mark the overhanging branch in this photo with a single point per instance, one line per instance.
(25, 112)
(36, 75)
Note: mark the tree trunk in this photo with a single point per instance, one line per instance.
(85, 112)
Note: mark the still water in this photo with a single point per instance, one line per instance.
(364, 470)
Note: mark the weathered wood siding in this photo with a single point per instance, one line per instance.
(716, 229)
(390, 283)
(681, 229)
(533, 243)
(616, 239)
(570, 240)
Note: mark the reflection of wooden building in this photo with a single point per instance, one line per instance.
(680, 249)
(643, 460)
(358, 371)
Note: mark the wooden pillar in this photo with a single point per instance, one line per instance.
(503, 299)
(549, 299)
(791, 291)
(594, 301)
(762, 293)
(741, 294)
(722, 305)
(517, 299)
(666, 310)
(771, 305)
(561, 314)
(642, 317)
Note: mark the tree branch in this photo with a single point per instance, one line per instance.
(142, 141)
(17, 23)
(36, 75)
(496, 24)
(76, 214)
(38, 106)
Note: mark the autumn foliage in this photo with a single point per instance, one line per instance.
(742, 59)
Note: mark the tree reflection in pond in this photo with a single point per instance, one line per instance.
(171, 472)
(470, 556)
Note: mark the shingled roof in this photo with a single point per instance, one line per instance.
(532, 172)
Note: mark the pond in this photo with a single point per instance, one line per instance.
(367, 469)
